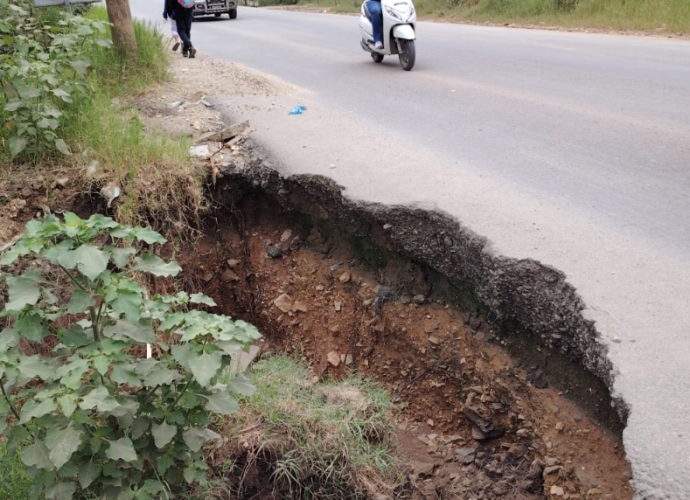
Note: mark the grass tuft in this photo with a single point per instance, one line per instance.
(310, 440)
(14, 483)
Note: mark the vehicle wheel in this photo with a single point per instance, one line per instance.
(407, 54)
(233, 14)
(218, 15)
(377, 57)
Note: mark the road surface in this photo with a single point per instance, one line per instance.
(572, 149)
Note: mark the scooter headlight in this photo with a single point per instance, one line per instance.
(393, 13)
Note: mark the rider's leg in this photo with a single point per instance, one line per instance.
(376, 20)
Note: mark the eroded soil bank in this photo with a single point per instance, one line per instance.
(329, 284)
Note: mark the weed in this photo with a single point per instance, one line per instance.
(14, 483)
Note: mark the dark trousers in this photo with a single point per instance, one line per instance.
(184, 18)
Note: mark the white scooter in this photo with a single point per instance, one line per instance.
(399, 24)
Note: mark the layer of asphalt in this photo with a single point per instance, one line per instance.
(570, 149)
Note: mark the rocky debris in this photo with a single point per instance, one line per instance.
(466, 455)
(205, 151)
(422, 469)
(333, 359)
(419, 299)
(272, 251)
(383, 295)
(345, 278)
(232, 133)
(287, 234)
(229, 275)
(284, 302)
(62, 182)
(233, 263)
(537, 378)
(557, 491)
(483, 429)
(560, 426)
(299, 306)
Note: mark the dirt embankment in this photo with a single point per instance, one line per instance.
(404, 296)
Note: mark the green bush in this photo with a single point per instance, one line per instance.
(44, 74)
(92, 416)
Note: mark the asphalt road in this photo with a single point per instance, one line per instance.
(572, 149)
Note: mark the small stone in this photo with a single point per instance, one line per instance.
(386, 227)
(349, 359)
(522, 433)
(550, 461)
(284, 303)
(320, 288)
(434, 340)
(338, 306)
(208, 276)
(196, 125)
(560, 426)
(62, 181)
(367, 302)
(229, 275)
(233, 262)
(557, 491)
(466, 455)
(577, 418)
(593, 492)
(405, 300)
(287, 234)
(627, 476)
(422, 468)
(300, 306)
(334, 329)
(419, 299)
(333, 359)
(617, 340)
(345, 278)
(430, 423)
(552, 470)
(273, 251)
(335, 267)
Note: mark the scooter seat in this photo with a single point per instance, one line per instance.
(366, 11)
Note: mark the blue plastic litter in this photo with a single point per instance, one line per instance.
(297, 110)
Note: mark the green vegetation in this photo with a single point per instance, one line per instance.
(14, 482)
(313, 440)
(650, 15)
(91, 416)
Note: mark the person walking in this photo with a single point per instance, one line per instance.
(183, 12)
(173, 28)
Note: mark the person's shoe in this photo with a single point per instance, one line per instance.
(378, 45)
(176, 46)
(192, 53)
(185, 52)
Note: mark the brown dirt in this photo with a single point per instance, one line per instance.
(440, 365)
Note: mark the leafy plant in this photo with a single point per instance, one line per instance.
(44, 72)
(92, 416)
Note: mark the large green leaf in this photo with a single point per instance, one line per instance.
(240, 384)
(181, 353)
(205, 366)
(8, 338)
(17, 144)
(90, 260)
(33, 366)
(140, 426)
(222, 403)
(62, 444)
(68, 404)
(31, 327)
(99, 398)
(155, 265)
(121, 256)
(148, 235)
(61, 491)
(71, 373)
(200, 298)
(160, 375)
(31, 409)
(124, 374)
(101, 363)
(138, 332)
(195, 437)
(88, 473)
(37, 455)
(163, 433)
(23, 291)
(75, 337)
(127, 302)
(122, 449)
(80, 302)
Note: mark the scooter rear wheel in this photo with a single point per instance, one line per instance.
(377, 57)
(407, 54)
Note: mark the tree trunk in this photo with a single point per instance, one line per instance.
(122, 28)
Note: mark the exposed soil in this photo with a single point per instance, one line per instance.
(471, 425)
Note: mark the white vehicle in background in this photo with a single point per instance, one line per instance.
(399, 32)
(215, 8)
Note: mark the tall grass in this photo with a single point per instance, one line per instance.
(649, 15)
(14, 483)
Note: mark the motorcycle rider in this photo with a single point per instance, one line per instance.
(374, 8)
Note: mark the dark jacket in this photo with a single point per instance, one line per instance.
(165, 11)
(171, 7)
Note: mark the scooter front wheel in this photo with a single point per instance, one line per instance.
(407, 54)
(377, 57)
